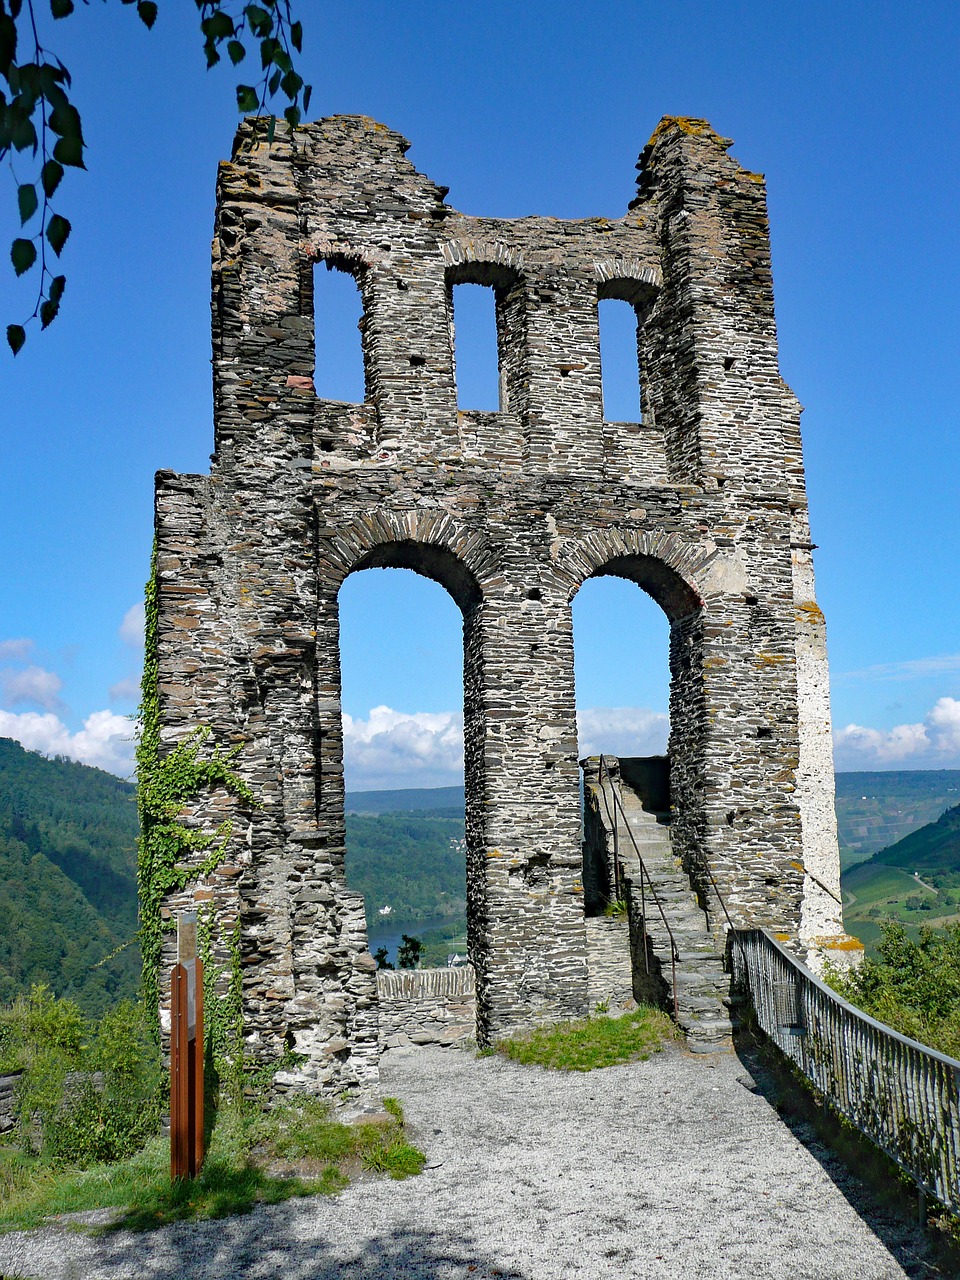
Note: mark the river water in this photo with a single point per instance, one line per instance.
(389, 933)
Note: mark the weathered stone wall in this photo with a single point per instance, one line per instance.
(609, 962)
(427, 1006)
(511, 512)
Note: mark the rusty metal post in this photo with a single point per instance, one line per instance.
(186, 1054)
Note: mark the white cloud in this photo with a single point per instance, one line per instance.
(934, 743)
(32, 684)
(422, 749)
(131, 628)
(126, 690)
(106, 739)
(396, 749)
(15, 650)
(913, 669)
(622, 731)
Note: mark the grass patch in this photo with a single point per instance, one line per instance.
(255, 1157)
(590, 1043)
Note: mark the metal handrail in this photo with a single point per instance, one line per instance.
(618, 804)
(903, 1095)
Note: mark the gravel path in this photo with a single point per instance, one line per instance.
(674, 1167)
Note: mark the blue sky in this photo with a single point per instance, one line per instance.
(847, 107)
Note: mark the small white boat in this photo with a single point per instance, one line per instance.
(385, 911)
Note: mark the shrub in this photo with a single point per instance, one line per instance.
(913, 987)
(89, 1091)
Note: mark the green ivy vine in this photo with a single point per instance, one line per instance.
(166, 782)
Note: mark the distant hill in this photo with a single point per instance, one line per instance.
(935, 847)
(68, 839)
(68, 894)
(405, 801)
(916, 881)
(875, 810)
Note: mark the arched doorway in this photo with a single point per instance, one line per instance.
(401, 666)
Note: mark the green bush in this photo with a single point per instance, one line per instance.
(90, 1091)
(913, 987)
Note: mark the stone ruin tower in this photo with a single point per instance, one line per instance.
(701, 504)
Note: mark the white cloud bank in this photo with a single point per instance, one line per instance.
(934, 743)
(622, 731)
(392, 749)
(105, 741)
(31, 684)
(15, 650)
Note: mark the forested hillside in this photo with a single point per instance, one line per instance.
(915, 881)
(68, 854)
(875, 810)
(67, 879)
(413, 862)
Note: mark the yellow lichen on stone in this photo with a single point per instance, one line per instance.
(692, 126)
(810, 611)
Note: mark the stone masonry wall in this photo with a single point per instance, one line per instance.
(699, 504)
(427, 1006)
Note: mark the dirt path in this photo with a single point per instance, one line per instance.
(674, 1167)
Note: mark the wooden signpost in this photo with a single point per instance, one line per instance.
(186, 1053)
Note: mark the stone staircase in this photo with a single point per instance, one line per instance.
(702, 985)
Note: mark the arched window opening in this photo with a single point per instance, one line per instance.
(401, 661)
(338, 315)
(475, 342)
(619, 360)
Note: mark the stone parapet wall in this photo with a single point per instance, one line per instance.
(427, 1006)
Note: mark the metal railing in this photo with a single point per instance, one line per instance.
(903, 1096)
(645, 881)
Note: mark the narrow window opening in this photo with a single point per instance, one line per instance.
(729, 362)
(338, 312)
(619, 361)
(475, 347)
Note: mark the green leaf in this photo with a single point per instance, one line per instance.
(296, 36)
(8, 40)
(57, 286)
(23, 135)
(65, 120)
(291, 84)
(26, 201)
(23, 254)
(48, 312)
(292, 116)
(16, 337)
(50, 177)
(247, 99)
(307, 95)
(58, 229)
(274, 83)
(147, 12)
(261, 23)
(218, 26)
(61, 8)
(236, 51)
(69, 151)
